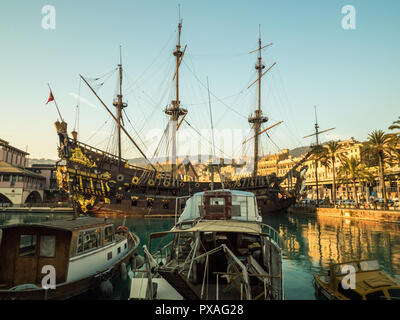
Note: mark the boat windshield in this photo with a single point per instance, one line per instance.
(371, 265)
(244, 207)
(343, 269)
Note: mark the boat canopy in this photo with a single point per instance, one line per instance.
(222, 226)
(244, 206)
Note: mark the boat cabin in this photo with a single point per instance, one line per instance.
(26, 248)
(221, 205)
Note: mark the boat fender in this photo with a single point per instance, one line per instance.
(124, 272)
(122, 228)
(106, 289)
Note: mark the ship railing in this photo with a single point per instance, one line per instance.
(273, 234)
(150, 264)
(244, 277)
(162, 254)
(268, 292)
(110, 155)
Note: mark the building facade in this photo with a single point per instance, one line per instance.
(18, 186)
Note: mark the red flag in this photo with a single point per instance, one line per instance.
(51, 97)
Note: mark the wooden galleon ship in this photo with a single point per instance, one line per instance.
(101, 182)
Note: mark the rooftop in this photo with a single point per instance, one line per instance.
(5, 167)
(67, 225)
(7, 144)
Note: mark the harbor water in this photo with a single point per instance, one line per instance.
(311, 244)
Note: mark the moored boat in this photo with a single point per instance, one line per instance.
(219, 250)
(84, 253)
(370, 282)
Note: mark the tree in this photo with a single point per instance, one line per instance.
(353, 171)
(380, 145)
(328, 159)
(318, 154)
(395, 125)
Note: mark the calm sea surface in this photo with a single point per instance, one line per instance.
(311, 244)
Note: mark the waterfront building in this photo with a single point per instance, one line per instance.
(48, 171)
(18, 185)
(281, 163)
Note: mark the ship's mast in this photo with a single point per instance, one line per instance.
(174, 110)
(257, 119)
(119, 105)
(317, 149)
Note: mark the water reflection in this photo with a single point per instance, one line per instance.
(311, 244)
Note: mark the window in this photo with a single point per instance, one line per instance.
(6, 177)
(119, 250)
(88, 240)
(109, 255)
(371, 265)
(20, 178)
(377, 295)
(108, 234)
(217, 201)
(27, 245)
(48, 246)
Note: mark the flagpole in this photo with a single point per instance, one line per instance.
(54, 99)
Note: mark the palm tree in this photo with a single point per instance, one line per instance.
(318, 154)
(353, 171)
(380, 145)
(395, 125)
(331, 153)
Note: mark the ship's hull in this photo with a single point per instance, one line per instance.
(142, 208)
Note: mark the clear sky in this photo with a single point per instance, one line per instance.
(353, 76)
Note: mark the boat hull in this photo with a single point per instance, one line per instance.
(71, 289)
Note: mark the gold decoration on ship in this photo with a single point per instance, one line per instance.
(83, 203)
(79, 157)
(106, 175)
(135, 180)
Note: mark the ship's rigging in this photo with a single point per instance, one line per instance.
(167, 144)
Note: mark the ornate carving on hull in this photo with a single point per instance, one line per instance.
(84, 203)
(62, 179)
(79, 157)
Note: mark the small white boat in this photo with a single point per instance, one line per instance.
(220, 250)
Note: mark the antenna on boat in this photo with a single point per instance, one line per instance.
(316, 134)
